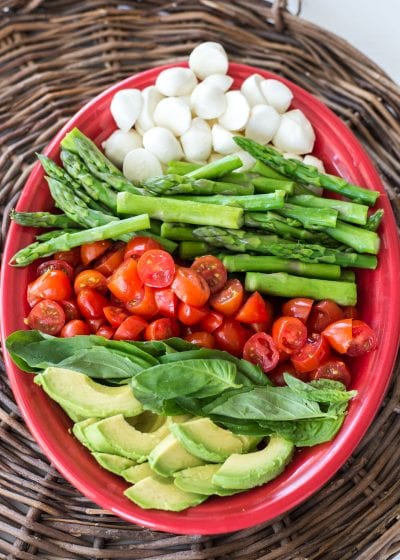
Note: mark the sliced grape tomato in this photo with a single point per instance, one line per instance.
(260, 349)
(229, 299)
(92, 279)
(47, 316)
(56, 264)
(255, 310)
(156, 268)
(161, 329)
(74, 328)
(212, 270)
(298, 307)
(139, 245)
(289, 334)
(314, 353)
(335, 370)
(190, 287)
(143, 303)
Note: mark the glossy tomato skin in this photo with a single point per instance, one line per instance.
(105, 331)
(131, 329)
(112, 258)
(115, 315)
(315, 352)
(143, 303)
(70, 308)
(47, 316)
(92, 279)
(72, 257)
(167, 302)
(201, 338)
(190, 287)
(125, 281)
(350, 312)
(211, 321)
(156, 268)
(56, 265)
(260, 349)
(212, 270)
(231, 337)
(255, 310)
(298, 307)
(264, 326)
(323, 314)
(95, 324)
(91, 303)
(92, 251)
(289, 334)
(74, 328)
(161, 329)
(190, 315)
(339, 335)
(335, 370)
(228, 300)
(139, 245)
(53, 284)
(350, 336)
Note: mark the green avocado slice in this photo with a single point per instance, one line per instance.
(136, 473)
(199, 481)
(78, 429)
(113, 463)
(156, 492)
(253, 469)
(85, 397)
(170, 456)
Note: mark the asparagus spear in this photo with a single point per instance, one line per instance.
(180, 184)
(255, 203)
(286, 285)
(42, 219)
(181, 167)
(246, 263)
(171, 210)
(313, 218)
(306, 173)
(274, 223)
(266, 185)
(348, 211)
(374, 220)
(265, 170)
(192, 249)
(360, 239)
(347, 275)
(113, 230)
(54, 233)
(217, 168)
(178, 232)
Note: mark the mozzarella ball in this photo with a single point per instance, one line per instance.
(208, 101)
(222, 140)
(277, 94)
(251, 89)
(295, 133)
(262, 124)
(151, 98)
(125, 107)
(312, 160)
(162, 143)
(140, 165)
(119, 143)
(176, 81)
(208, 58)
(237, 111)
(222, 81)
(196, 141)
(247, 160)
(214, 157)
(173, 113)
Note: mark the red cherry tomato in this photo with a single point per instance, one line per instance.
(114, 315)
(90, 279)
(314, 353)
(289, 334)
(125, 281)
(231, 336)
(351, 337)
(166, 301)
(323, 314)
(111, 259)
(47, 316)
(71, 310)
(53, 284)
(298, 307)
(276, 375)
(190, 287)
(255, 310)
(161, 329)
(74, 328)
(95, 324)
(189, 315)
(350, 312)
(106, 331)
(92, 251)
(212, 270)
(229, 299)
(143, 303)
(91, 303)
(131, 329)
(56, 265)
(72, 257)
(211, 321)
(139, 245)
(156, 268)
(260, 349)
(201, 338)
(261, 327)
(334, 369)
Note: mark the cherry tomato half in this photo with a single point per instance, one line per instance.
(95, 324)
(143, 303)
(92, 251)
(276, 375)
(72, 257)
(334, 369)
(298, 307)
(106, 331)
(92, 279)
(125, 281)
(114, 315)
(255, 310)
(53, 284)
(231, 337)
(323, 314)
(201, 338)
(47, 316)
(91, 303)
(139, 245)
(350, 312)
(314, 353)
(190, 287)
(75, 328)
(130, 329)
(56, 265)
(351, 337)
(161, 329)
(229, 299)
(190, 315)
(156, 268)
(260, 349)
(166, 301)
(71, 310)
(212, 270)
(111, 259)
(211, 321)
(289, 334)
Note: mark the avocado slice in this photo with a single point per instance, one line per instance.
(136, 473)
(253, 469)
(117, 436)
(199, 481)
(85, 397)
(78, 429)
(156, 492)
(147, 421)
(72, 414)
(113, 463)
(170, 456)
(204, 439)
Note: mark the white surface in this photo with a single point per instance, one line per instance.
(369, 25)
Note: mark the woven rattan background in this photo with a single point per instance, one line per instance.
(56, 55)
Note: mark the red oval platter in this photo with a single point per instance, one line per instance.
(379, 298)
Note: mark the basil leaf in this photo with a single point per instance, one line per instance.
(327, 392)
(101, 363)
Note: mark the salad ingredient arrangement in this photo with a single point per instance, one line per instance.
(207, 199)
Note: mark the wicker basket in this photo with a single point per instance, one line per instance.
(55, 56)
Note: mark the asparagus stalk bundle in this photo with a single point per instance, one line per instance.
(42, 219)
(255, 203)
(180, 184)
(348, 211)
